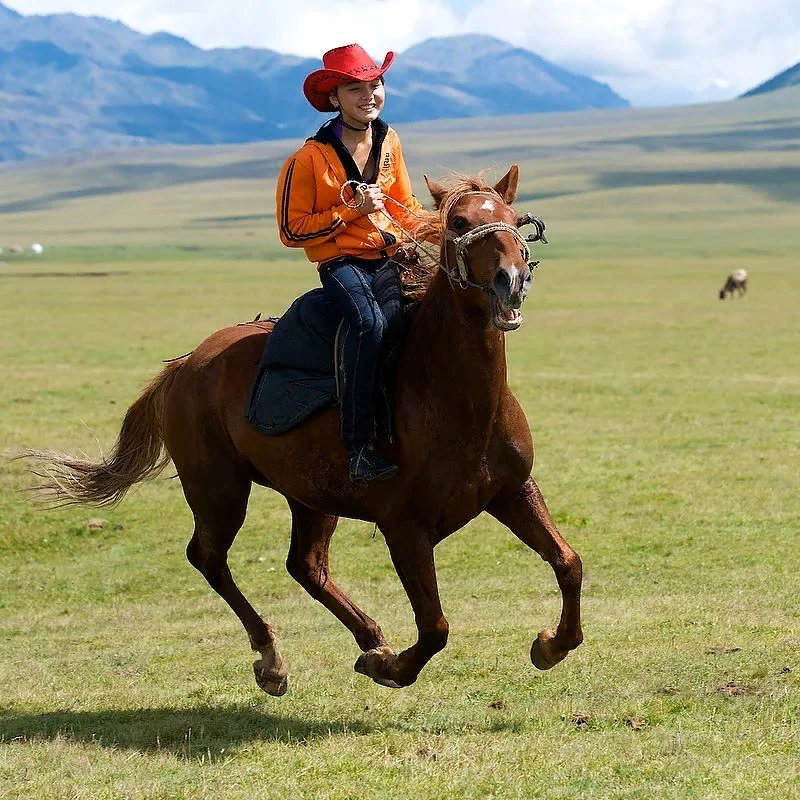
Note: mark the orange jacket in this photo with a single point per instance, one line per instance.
(309, 204)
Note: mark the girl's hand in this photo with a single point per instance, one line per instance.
(372, 200)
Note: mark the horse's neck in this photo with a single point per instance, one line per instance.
(454, 361)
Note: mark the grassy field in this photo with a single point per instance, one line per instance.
(666, 427)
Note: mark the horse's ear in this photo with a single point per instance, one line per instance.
(437, 190)
(506, 187)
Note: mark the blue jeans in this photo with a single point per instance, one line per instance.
(368, 293)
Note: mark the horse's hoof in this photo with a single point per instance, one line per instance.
(390, 684)
(542, 656)
(372, 664)
(270, 682)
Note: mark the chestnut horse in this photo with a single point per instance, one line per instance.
(462, 443)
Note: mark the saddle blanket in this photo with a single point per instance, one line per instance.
(297, 372)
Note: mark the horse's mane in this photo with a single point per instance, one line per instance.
(417, 273)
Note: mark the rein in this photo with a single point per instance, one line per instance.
(459, 275)
(359, 196)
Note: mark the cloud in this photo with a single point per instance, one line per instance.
(636, 45)
(308, 28)
(645, 49)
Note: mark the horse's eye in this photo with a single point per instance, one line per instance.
(459, 223)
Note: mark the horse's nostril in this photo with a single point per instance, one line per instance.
(502, 281)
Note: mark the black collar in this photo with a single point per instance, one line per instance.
(326, 135)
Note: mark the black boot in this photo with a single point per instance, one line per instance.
(369, 464)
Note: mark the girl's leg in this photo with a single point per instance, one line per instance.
(387, 287)
(351, 290)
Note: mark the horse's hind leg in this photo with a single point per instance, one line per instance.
(307, 563)
(525, 513)
(219, 505)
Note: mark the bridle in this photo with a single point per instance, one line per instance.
(460, 273)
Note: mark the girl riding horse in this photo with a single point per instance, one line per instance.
(462, 440)
(351, 238)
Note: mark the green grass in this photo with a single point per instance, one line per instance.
(667, 441)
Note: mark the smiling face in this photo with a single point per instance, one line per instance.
(359, 102)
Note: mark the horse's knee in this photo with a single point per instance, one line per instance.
(294, 566)
(307, 571)
(194, 554)
(436, 639)
(209, 564)
(575, 566)
(199, 557)
(569, 571)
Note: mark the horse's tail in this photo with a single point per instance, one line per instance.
(139, 454)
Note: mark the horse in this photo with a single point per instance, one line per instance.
(737, 280)
(461, 440)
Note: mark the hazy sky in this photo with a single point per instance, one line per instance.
(649, 51)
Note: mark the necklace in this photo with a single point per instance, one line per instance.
(350, 127)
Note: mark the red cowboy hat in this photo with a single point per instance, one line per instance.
(342, 65)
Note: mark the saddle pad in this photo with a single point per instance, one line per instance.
(296, 375)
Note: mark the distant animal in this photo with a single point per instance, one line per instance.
(37, 249)
(463, 445)
(15, 248)
(736, 280)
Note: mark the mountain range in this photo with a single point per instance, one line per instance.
(69, 82)
(789, 77)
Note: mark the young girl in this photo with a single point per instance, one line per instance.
(348, 231)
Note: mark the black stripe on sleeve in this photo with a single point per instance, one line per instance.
(288, 234)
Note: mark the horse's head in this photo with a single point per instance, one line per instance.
(481, 246)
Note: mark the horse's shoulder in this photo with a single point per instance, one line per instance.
(512, 445)
(512, 419)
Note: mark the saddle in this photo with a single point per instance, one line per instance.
(297, 372)
(302, 368)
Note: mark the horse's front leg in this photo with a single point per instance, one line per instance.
(307, 563)
(412, 556)
(524, 511)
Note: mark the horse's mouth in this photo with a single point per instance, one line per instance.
(507, 319)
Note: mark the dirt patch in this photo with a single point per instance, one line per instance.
(427, 753)
(735, 689)
(582, 721)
